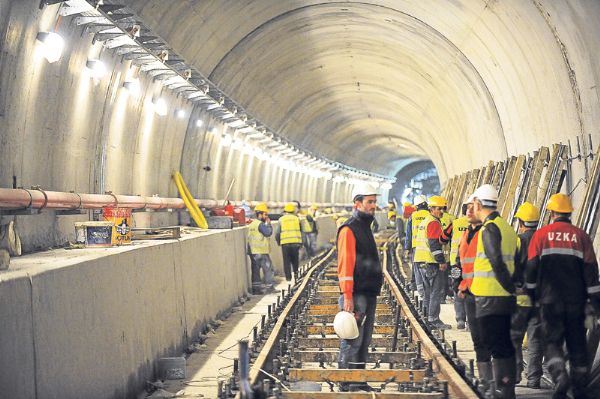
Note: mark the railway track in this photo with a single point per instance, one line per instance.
(293, 353)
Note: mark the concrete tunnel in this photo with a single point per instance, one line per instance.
(295, 100)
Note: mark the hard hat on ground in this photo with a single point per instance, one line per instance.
(363, 190)
(437, 201)
(529, 214)
(487, 195)
(419, 199)
(345, 325)
(290, 207)
(560, 203)
(262, 207)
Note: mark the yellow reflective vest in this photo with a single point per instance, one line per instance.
(459, 226)
(446, 220)
(423, 253)
(417, 217)
(484, 278)
(258, 243)
(290, 229)
(306, 225)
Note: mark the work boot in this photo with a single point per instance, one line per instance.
(460, 325)
(560, 379)
(504, 375)
(486, 378)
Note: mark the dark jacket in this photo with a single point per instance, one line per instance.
(368, 274)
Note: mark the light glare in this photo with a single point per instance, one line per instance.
(53, 45)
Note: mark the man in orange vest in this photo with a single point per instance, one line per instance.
(467, 250)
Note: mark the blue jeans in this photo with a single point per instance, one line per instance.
(433, 289)
(353, 352)
(263, 261)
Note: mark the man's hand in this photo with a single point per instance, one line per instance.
(443, 266)
(461, 294)
(349, 305)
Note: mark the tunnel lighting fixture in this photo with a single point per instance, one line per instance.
(226, 140)
(160, 106)
(53, 45)
(237, 144)
(133, 87)
(386, 186)
(213, 130)
(180, 113)
(96, 68)
(199, 123)
(338, 179)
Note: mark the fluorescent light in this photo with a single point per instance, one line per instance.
(199, 123)
(226, 140)
(386, 186)
(180, 113)
(133, 87)
(160, 106)
(53, 45)
(96, 67)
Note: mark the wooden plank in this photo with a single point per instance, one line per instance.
(329, 288)
(498, 173)
(333, 309)
(551, 181)
(385, 318)
(361, 395)
(503, 191)
(352, 375)
(328, 329)
(373, 357)
(334, 342)
(506, 204)
(539, 163)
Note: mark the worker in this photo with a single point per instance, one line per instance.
(526, 317)
(360, 278)
(392, 214)
(562, 276)
(466, 253)
(493, 287)
(430, 262)
(446, 221)
(288, 235)
(457, 229)
(309, 226)
(410, 240)
(259, 231)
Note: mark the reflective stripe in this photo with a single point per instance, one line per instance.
(484, 274)
(594, 289)
(290, 229)
(345, 279)
(467, 260)
(505, 258)
(531, 285)
(562, 251)
(467, 275)
(436, 252)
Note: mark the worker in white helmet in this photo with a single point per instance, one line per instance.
(410, 239)
(360, 278)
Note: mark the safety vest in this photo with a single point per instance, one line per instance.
(392, 215)
(259, 244)
(467, 253)
(484, 281)
(459, 226)
(423, 252)
(290, 229)
(446, 220)
(417, 217)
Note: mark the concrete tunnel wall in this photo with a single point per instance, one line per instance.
(92, 323)
(66, 131)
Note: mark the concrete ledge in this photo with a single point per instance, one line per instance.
(92, 323)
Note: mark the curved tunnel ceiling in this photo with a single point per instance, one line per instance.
(373, 83)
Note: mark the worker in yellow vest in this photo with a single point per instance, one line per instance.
(430, 262)
(392, 214)
(446, 221)
(288, 235)
(410, 239)
(526, 317)
(494, 288)
(259, 248)
(459, 226)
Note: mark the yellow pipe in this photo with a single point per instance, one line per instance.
(189, 201)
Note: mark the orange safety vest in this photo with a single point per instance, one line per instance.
(467, 253)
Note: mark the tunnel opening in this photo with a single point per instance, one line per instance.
(419, 177)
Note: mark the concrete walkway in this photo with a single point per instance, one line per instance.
(214, 359)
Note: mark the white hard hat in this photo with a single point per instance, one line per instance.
(363, 189)
(419, 199)
(487, 195)
(469, 200)
(345, 325)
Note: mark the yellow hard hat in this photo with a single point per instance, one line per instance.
(262, 207)
(559, 203)
(437, 201)
(290, 207)
(405, 204)
(314, 207)
(528, 213)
